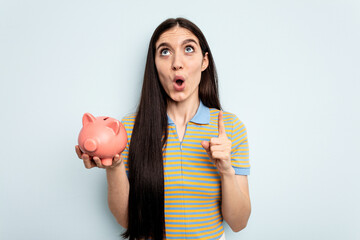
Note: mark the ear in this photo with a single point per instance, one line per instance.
(88, 118)
(114, 125)
(205, 62)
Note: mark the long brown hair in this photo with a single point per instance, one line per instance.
(146, 172)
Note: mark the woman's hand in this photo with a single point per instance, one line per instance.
(219, 149)
(91, 162)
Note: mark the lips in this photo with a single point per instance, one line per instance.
(179, 83)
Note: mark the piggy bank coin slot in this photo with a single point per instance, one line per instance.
(106, 118)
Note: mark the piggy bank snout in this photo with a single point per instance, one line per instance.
(90, 145)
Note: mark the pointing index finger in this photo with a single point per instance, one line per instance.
(221, 125)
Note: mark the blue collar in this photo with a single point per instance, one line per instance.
(202, 115)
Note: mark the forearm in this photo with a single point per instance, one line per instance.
(118, 193)
(236, 206)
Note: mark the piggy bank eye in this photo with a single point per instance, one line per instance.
(105, 118)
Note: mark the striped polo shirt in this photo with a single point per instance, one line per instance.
(191, 180)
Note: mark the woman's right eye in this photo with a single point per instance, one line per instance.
(165, 52)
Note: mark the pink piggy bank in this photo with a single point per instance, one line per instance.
(103, 137)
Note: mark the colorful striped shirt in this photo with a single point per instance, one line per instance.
(191, 180)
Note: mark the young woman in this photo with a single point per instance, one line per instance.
(185, 167)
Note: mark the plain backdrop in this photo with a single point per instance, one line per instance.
(288, 69)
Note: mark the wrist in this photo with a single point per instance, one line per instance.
(115, 168)
(229, 173)
(115, 173)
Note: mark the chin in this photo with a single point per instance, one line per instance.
(177, 98)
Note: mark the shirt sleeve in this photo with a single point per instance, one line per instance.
(125, 153)
(240, 148)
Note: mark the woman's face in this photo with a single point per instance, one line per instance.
(179, 62)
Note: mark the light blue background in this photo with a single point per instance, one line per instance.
(288, 69)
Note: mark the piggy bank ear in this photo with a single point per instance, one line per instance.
(88, 118)
(114, 125)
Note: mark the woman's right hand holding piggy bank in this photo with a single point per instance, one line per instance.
(90, 162)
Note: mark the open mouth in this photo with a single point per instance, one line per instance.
(179, 82)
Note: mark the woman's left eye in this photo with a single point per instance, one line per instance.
(189, 49)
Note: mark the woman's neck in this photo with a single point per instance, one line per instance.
(182, 112)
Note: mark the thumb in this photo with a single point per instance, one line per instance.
(206, 145)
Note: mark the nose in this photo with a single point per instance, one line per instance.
(177, 62)
(90, 145)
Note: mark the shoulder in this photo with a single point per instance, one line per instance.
(128, 121)
(233, 125)
(229, 118)
(130, 118)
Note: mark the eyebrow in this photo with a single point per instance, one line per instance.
(183, 43)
